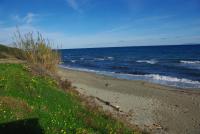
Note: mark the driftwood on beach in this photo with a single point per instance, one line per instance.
(117, 108)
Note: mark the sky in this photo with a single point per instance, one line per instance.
(103, 23)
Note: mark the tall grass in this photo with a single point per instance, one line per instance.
(36, 50)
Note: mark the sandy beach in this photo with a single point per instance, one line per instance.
(155, 108)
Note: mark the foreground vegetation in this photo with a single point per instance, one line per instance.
(37, 103)
(27, 96)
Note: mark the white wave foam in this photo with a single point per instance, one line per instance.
(171, 79)
(110, 58)
(154, 78)
(100, 59)
(105, 58)
(73, 61)
(190, 62)
(147, 61)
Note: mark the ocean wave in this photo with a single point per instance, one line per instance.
(147, 61)
(105, 58)
(110, 58)
(171, 79)
(73, 61)
(99, 59)
(82, 58)
(162, 80)
(190, 62)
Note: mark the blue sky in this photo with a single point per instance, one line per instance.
(103, 23)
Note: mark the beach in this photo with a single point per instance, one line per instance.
(151, 107)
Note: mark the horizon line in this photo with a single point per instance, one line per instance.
(185, 44)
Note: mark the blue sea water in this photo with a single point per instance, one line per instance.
(175, 65)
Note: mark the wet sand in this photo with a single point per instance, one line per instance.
(156, 108)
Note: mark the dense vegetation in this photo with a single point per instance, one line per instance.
(27, 96)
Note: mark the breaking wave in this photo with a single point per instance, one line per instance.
(147, 61)
(190, 62)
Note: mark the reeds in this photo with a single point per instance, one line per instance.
(36, 50)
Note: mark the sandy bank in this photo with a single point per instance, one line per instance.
(156, 108)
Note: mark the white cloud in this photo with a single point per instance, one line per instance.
(27, 19)
(74, 5)
(79, 5)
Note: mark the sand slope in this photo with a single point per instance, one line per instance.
(156, 108)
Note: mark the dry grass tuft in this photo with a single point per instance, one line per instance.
(36, 51)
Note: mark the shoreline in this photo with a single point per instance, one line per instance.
(172, 88)
(157, 108)
(148, 78)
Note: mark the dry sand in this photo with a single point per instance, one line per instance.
(156, 108)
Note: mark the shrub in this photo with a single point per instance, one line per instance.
(36, 50)
(65, 84)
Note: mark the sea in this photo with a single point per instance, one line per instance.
(174, 65)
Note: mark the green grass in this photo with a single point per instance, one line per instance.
(24, 96)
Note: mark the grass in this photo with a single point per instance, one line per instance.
(26, 96)
(6, 52)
